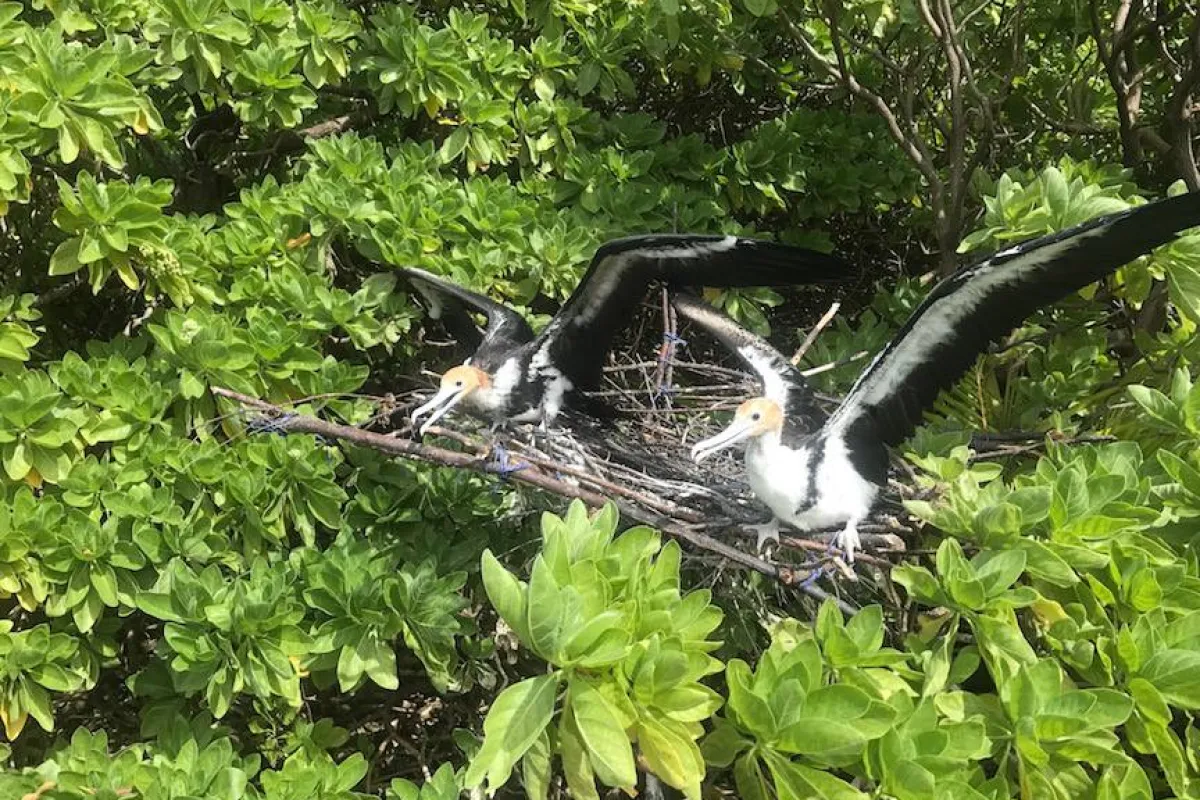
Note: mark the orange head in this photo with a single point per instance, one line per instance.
(456, 384)
(753, 418)
(465, 378)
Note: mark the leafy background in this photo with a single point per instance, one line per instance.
(199, 193)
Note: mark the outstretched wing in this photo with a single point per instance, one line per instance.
(981, 303)
(782, 383)
(581, 334)
(506, 329)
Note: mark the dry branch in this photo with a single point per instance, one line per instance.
(825, 319)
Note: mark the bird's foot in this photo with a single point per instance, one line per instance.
(539, 434)
(765, 531)
(848, 540)
(504, 463)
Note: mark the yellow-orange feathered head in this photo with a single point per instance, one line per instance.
(753, 418)
(456, 384)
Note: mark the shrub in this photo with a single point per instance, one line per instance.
(214, 193)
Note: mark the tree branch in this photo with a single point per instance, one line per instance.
(1117, 58)
(1179, 114)
(60, 291)
(541, 475)
(910, 143)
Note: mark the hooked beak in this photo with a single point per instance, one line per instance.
(736, 432)
(441, 404)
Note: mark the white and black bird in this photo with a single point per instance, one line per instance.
(831, 476)
(515, 376)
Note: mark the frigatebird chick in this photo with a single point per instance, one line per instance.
(515, 376)
(832, 476)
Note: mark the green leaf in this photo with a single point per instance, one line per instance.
(191, 386)
(543, 87)
(107, 427)
(455, 144)
(1167, 748)
(1157, 406)
(576, 764)
(919, 582)
(1057, 193)
(1183, 473)
(65, 258)
(724, 744)
(601, 733)
(1176, 675)
(757, 8)
(68, 144)
(1149, 701)
(158, 605)
(751, 783)
(86, 613)
(104, 581)
(1004, 640)
(1043, 563)
(90, 248)
(591, 634)
(747, 708)
(589, 76)
(672, 755)
(380, 661)
(36, 701)
(998, 571)
(1183, 281)
(514, 722)
(546, 611)
(797, 782)
(535, 768)
(55, 678)
(1002, 519)
(350, 667)
(16, 465)
(506, 594)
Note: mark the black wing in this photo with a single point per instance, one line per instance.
(580, 335)
(981, 303)
(506, 329)
(781, 382)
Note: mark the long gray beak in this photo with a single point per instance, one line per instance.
(441, 404)
(736, 432)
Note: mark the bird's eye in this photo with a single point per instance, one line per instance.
(756, 416)
(458, 383)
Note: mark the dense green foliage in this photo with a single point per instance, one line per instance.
(202, 193)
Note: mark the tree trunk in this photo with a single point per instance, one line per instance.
(1180, 116)
(947, 224)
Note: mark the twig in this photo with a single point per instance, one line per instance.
(841, 362)
(140, 319)
(327, 128)
(60, 291)
(816, 330)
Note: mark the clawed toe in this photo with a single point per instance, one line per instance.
(848, 542)
(764, 532)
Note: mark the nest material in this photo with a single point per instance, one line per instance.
(640, 458)
(642, 455)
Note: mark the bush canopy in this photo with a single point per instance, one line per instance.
(213, 193)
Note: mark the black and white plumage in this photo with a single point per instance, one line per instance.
(782, 383)
(832, 476)
(516, 376)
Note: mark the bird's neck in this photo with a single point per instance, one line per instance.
(767, 442)
(484, 399)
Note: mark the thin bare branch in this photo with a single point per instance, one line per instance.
(824, 321)
(912, 145)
